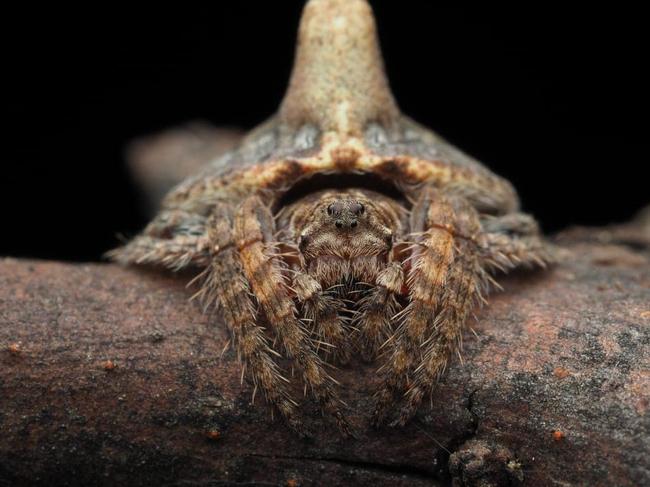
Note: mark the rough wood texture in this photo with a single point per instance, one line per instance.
(110, 376)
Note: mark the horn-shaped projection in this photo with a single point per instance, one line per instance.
(338, 81)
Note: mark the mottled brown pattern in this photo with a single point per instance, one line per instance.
(564, 350)
(306, 279)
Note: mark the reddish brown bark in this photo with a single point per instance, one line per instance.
(110, 376)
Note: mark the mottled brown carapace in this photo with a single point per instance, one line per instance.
(341, 226)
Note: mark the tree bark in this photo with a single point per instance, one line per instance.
(110, 376)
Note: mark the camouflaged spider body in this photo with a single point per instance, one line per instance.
(341, 225)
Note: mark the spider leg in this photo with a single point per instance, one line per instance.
(507, 242)
(515, 240)
(377, 310)
(444, 282)
(174, 221)
(176, 253)
(175, 239)
(323, 313)
(253, 231)
(225, 284)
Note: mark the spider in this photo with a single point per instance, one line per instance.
(340, 225)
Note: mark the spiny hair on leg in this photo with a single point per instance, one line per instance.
(377, 309)
(324, 314)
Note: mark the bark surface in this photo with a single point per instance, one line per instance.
(110, 376)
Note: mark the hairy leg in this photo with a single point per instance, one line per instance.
(174, 221)
(444, 281)
(377, 310)
(514, 240)
(508, 241)
(226, 285)
(175, 239)
(266, 273)
(176, 253)
(323, 312)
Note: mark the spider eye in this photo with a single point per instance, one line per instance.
(330, 209)
(357, 208)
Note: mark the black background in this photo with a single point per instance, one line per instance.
(552, 98)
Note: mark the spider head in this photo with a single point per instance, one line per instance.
(344, 224)
(345, 213)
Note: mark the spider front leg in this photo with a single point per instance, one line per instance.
(377, 310)
(324, 315)
(266, 273)
(444, 281)
(226, 285)
(177, 239)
